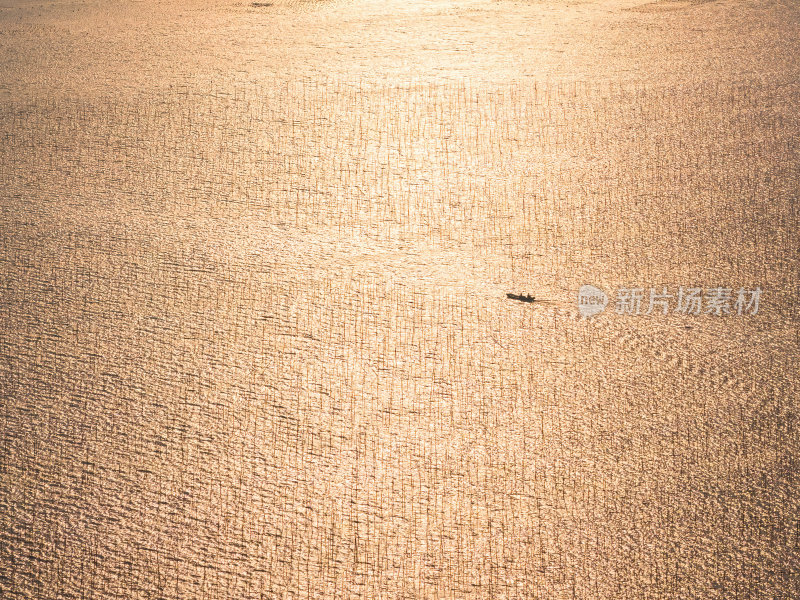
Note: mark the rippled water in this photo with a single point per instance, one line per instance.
(256, 340)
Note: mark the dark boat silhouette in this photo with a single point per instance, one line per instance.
(521, 298)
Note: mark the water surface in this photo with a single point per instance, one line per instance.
(256, 340)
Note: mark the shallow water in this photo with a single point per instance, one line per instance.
(256, 336)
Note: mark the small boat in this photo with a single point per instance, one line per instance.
(521, 298)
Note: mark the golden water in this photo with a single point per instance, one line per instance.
(255, 335)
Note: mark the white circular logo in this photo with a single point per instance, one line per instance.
(591, 300)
